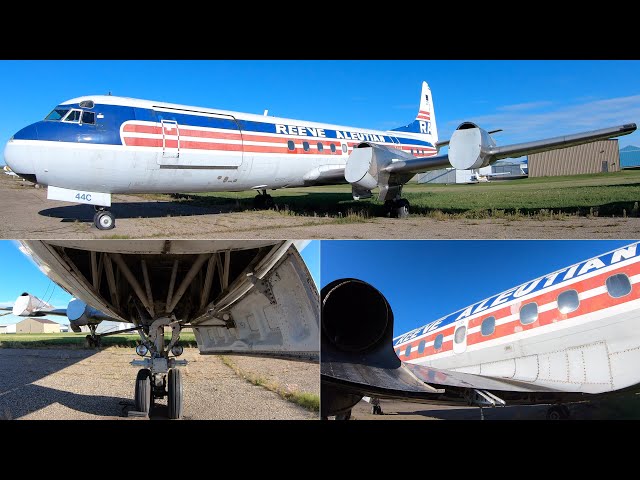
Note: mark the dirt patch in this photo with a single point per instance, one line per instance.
(27, 214)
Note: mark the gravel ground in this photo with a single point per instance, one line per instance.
(138, 217)
(85, 384)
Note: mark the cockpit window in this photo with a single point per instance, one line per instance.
(87, 104)
(57, 114)
(89, 118)
(73, 116)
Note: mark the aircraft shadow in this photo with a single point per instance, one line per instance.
(330, 203)
(21, 369)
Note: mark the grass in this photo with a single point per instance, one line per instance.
(77, 340)
(307, 400)
(604, 195)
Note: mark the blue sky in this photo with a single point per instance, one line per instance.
(18, 274)
(425, 280)
(529, 99)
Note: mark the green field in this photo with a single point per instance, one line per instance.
(606, 194)
(77, 340)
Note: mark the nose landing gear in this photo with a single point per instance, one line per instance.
(160, 376)
(103, 219)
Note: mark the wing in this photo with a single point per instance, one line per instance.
(325, 174)
(472, 147)
(358, 360)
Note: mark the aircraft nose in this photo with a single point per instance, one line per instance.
(18, 154)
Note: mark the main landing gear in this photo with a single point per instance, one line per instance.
(92, 340)
(103, 218)
(159, 376)
(558, 412)
(397, 208)
(263, 201)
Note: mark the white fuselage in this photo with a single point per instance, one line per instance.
(593, 348)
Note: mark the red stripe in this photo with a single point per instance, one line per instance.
(589, 305)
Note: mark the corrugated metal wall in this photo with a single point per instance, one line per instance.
(630, 157)
(595, 157)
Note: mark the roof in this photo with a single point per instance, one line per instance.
(42, 320)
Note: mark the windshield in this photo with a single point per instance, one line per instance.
(73, 117)
(57, 114)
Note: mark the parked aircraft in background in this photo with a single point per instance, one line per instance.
(238, 296)
(571, 335)
(91, 147)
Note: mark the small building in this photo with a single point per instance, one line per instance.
(37, 325)
(595, 157)
(11, 328)
(630, 157)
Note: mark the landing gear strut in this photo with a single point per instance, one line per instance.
(558, 412)
(159, 376)
(263, 201)
(93, 340)
(103, 219)
(397, 208)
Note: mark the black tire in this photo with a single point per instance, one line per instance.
(175, 394)
(268, 202)
(344, 416)
(88, 341)
(143, 391)
(258, 202)
(402, 208)
(104, 220)
(558, 412)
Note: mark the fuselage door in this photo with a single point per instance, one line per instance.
(460, 334)
(170, 139)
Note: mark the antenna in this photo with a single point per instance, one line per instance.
(109, 93)
(266, 112)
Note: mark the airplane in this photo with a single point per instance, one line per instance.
(478, 177)
(91, 147)
(246, 297)
(569, 336)
(79, 315)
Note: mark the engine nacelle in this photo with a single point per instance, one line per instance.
(27, 305)
(81, 314)
(356, 317)
(365, 162)
(469, 147)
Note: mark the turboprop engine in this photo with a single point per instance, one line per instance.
(81, 314)
(469, 147)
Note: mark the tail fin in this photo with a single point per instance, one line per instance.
(425, 122)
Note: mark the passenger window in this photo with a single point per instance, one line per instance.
(488, 326)
(305, 146)
(73, 116)
(320, 147)
(437, 343)
(618, 285)
(568, 301)
(421, 346)
(333, 148)
(458, 337)
(412, 151)
(291, 145)
(57, 114)
(407, 352)
(344, 148)
(529, 313)
(89, 117)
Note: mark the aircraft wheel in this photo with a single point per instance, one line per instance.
(344, 416)
(558, 412)
(175, 393)
(402, 208)
(397, 208)
(88, 341)
(143, 390)
(104, 220)
(268, 202)
(258, 202)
